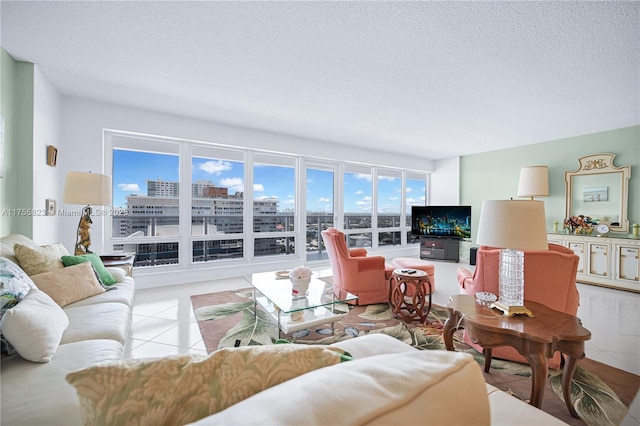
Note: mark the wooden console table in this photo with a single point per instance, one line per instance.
(537, 338)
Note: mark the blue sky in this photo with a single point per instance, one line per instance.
(132, 169)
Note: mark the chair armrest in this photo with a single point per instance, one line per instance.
(358, 252)
(465, 277)
(376, 263)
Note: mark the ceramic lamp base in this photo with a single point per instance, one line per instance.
(509, 311)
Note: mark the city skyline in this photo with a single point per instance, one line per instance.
(132, 170)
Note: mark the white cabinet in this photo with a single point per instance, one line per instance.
(608, 261)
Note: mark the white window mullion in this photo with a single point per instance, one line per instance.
(185, 241)
(248, 233)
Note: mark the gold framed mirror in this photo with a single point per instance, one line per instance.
(598, 189)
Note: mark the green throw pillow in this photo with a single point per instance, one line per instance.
(105, 276)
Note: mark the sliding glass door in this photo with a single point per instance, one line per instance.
(320, 206)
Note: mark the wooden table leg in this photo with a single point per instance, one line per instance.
(448, 330)
(539, 370)
(567, 374)
(487, 359)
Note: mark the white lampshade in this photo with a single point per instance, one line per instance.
(87, 189)
(534, 182)
(513, 224)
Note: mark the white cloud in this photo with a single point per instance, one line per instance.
(324, 200)
(417, 201)
(393, 198)
(258, 187)
(129, 187)
(359, 192)
(215, 167)
(367, 198)
(361, 176)
(234, 184)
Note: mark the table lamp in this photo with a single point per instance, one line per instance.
(86, 189)
(534, 182)
(513, 226)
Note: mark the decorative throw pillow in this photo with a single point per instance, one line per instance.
(34, 326)
(15, 284)
(182, 389)
(40, 259)
(105, 276)
(70, 284)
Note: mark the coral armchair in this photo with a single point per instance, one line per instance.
(353, 271)
(550, 279)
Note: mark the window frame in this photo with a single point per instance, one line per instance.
(249, 236)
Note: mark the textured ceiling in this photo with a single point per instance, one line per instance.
(438, 79)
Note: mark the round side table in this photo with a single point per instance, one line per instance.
(409, 296)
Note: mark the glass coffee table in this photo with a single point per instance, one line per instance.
(294, 313)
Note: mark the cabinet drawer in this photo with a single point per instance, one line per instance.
(629, 263)
(599, 260)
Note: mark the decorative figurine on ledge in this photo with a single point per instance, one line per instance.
(84, 232)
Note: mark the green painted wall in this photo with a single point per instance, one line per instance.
(16, 106)
(494, 175)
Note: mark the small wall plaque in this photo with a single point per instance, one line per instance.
(52, 155)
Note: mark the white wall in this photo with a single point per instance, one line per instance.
(445, 182)
(46, 131)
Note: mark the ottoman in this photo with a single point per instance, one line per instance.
(422, 265)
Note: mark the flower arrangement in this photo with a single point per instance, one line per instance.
(579, 224)
(301, 273)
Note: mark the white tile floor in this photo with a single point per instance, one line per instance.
(163, 321)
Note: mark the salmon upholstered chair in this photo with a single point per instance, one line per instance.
(549, 279)
(353, 271)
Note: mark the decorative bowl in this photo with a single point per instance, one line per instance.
(485, 298)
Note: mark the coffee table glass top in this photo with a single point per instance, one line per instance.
(278, 291)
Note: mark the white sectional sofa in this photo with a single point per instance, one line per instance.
(388, 382)
(35, 393)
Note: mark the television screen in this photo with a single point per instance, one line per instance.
(441, 221)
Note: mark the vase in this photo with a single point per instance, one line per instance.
(300, 286)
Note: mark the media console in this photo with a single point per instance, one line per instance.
(440, 248)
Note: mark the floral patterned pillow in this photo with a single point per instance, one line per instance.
(182, 389)
(38, 260)
(14, 284)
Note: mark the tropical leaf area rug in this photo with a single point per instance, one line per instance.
(601, 393)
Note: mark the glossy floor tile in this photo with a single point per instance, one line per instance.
(164, 324)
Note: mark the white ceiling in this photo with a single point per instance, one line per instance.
(438, 79)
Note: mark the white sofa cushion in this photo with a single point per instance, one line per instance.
(408, 388)
(373, 344)
(34, 326)
(37, 394)
(98, 321)
(9, 241)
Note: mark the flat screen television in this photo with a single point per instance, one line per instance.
(441, 221)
